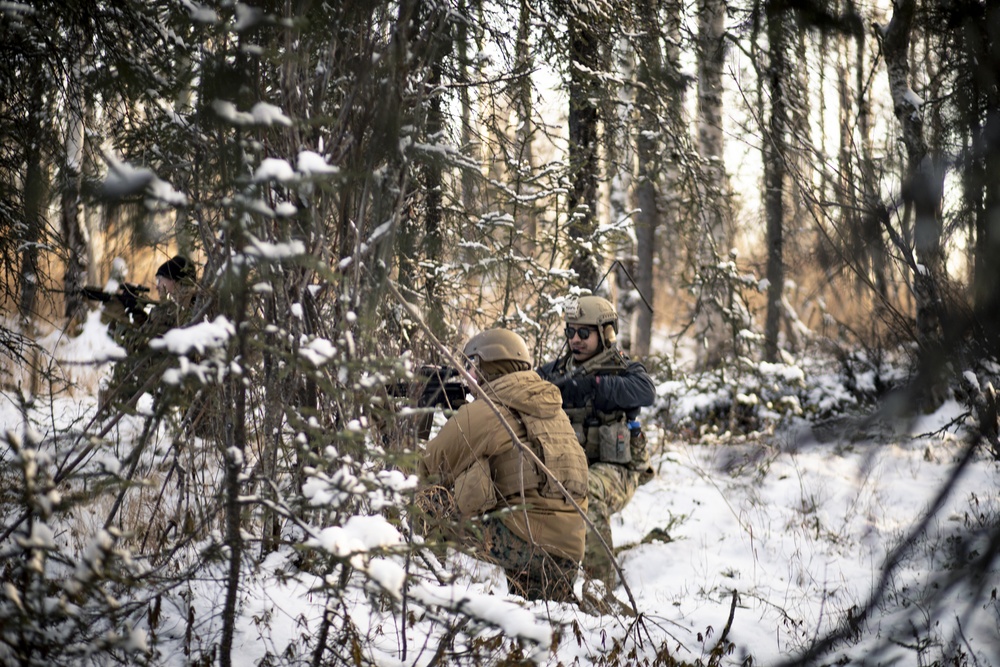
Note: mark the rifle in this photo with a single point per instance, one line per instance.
(128, 294)
(438, 386)
(610, 360)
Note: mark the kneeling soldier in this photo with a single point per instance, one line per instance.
(528, 525)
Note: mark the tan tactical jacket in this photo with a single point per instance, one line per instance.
(474, 442)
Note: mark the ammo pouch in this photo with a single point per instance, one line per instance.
(614, 441)
(474, 493)
(605, 437)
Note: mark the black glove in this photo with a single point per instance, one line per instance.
(560, 382)
(578, 391)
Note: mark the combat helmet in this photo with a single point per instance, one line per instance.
(497, 345)
(596, 311)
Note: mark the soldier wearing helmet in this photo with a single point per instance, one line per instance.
(527, 525)
(603, 404)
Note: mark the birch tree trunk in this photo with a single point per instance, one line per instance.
(923, 182)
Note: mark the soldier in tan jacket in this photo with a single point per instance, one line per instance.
(528, 526)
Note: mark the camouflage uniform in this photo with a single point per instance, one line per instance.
(532, 573)
(607, 399)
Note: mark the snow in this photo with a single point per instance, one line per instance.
(260, 113)
(197, 337)
(797, 530)
(360, 534)
(310, 163)
(273, 169)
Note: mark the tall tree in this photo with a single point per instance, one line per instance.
(716, 240)
(587, 36)
(648, 154)
(74, 229)
(977, 27)
(774, 150)
(923, 189)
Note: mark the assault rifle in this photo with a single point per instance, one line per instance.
(610, 360)
(128, 294)
(437, 386)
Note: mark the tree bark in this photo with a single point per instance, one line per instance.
(583, 146)
(716, 240)
(648, 220)
(36, 188)
(774, 174)
(436, 49)
(74, 231)
(525, 133)
(923, 182)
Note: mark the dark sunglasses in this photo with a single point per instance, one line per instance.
(583, 332)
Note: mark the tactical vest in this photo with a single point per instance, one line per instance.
(555, 447)
(605, 436)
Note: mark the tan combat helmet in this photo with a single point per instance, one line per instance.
(596, 311)
(497, 345)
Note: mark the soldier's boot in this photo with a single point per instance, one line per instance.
(597, 562)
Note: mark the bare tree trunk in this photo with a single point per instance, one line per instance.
(74, 230)
(470, 142)
(873, 233)
(923, 188)
(982, 57)
(36, 186)
(774, 174)
(648, 154)
(234, 456)
(437, 46)
(583, 144)
(525, 129)
(923, 185)
(716, 241)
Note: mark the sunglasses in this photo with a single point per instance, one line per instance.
(583, 332)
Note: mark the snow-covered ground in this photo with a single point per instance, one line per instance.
(786, 533)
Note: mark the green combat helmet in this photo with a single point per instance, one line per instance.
(597, 312)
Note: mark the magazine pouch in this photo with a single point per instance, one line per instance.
(614, 441)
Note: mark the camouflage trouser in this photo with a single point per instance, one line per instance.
(531, 571)
(610, 487)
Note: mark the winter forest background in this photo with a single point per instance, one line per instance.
(795, 205)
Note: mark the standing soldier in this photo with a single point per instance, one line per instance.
(528, 525)
(602, 393)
